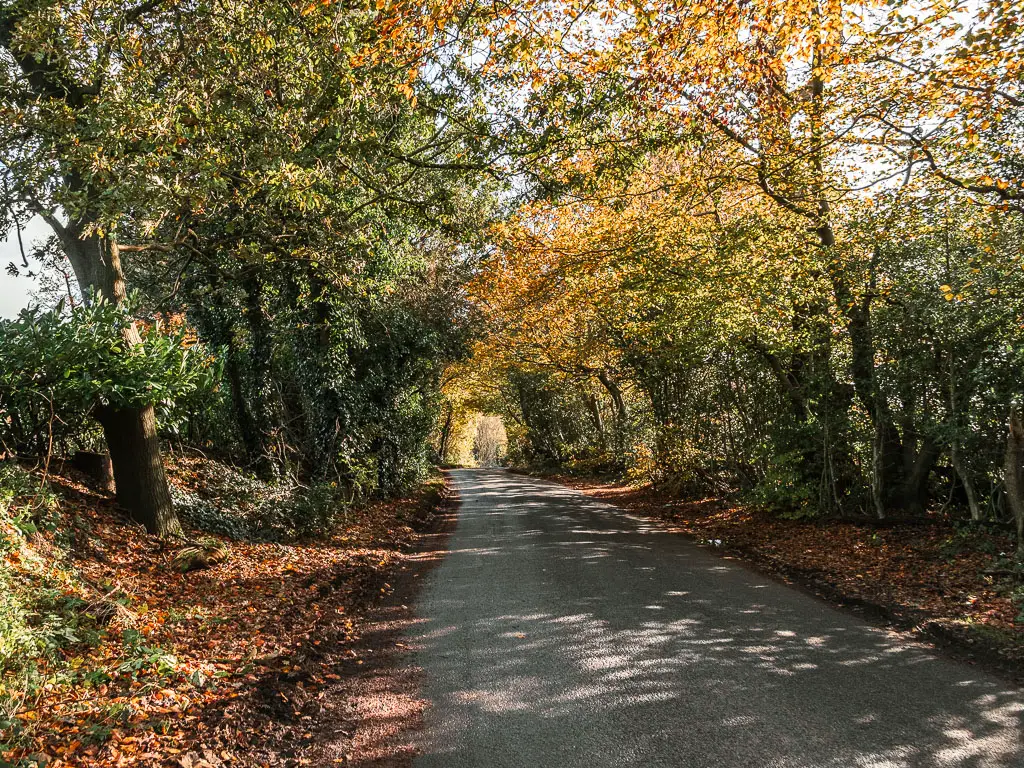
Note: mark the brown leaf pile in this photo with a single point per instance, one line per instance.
(226, 666)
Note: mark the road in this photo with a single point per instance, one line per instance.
(560, 631)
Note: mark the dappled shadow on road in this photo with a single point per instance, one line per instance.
(562, 632)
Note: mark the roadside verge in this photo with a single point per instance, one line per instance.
(371, 712)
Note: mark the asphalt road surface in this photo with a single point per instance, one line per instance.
(560, 631)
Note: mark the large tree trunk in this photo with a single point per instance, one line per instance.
(139, 477)
(141, 485)
(1013, 474)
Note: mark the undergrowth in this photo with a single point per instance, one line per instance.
(43, 615)
(77, 594)
(219, 499)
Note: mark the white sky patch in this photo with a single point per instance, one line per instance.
(16, 292)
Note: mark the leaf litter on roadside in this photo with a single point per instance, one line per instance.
(227, 665)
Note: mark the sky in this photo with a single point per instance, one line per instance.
(15, 292)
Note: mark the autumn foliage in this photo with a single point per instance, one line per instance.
(766, 252)
(132, 661)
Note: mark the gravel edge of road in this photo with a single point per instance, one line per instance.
(377, 703)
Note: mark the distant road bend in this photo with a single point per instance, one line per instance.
(563, 632)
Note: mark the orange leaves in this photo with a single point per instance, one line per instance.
(313, 6)
(179, 677)
(569, 281)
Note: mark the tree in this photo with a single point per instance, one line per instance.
(80, 364)
(293, 162)
(59, 94)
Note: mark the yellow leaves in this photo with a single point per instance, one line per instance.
(313, 6)
(566, 272)
(263, 42)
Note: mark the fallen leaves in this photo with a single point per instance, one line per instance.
(222, 666)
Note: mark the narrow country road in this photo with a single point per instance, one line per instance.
(560, 631)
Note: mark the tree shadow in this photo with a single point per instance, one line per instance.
(561, 631)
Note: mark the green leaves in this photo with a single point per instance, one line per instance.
(73, 361)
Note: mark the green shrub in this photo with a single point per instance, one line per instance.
(26, 504)
(56, 366)
(783, 487)
(210, 517)
(311, 512)
(227, 502)
(17, 639)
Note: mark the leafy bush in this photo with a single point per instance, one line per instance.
(308, 512)
(224, 501)
(24, 503)
(205, 515)
(56, 366)
(783, 487)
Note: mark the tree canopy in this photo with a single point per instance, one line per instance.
(758, 260)
(762, 247)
